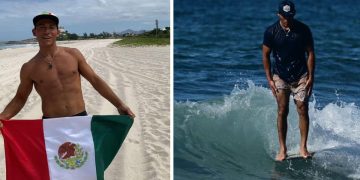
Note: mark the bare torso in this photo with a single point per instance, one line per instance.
(59, 85)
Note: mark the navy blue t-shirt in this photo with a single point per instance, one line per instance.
(289, 49)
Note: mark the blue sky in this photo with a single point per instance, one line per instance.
(80, 16)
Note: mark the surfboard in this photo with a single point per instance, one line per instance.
(297, 156)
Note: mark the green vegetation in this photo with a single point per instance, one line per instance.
(143, 41)
(158, 33)
(155, 37)
(64, 36)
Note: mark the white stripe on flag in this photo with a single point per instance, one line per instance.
(76, 130)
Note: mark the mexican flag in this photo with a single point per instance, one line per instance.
(80, 147)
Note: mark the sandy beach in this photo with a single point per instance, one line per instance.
(140, 76)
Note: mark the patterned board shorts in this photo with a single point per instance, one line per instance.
(297, 89)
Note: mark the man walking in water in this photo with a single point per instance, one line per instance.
(292, 46)
(55, 73)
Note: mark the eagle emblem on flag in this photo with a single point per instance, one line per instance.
(71, 156)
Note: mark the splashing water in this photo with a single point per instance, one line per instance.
(236, 136)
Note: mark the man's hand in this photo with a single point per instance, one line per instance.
(273, 88)
(2, 117)
(309, 85)
(124, 110)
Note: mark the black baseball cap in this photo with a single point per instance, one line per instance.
(46, 15)
(287, 9)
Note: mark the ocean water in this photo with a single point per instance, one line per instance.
(3, 45)
(224, 112)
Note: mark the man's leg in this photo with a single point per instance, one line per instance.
(282, 98)
(303, 108)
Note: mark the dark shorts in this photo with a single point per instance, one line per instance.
(84, 113)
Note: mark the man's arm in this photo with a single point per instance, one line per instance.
(23, 92)
(267, 67)
(100, 85)
(311, 69)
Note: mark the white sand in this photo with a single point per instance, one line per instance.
(140, 76)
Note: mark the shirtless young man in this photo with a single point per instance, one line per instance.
(55, 73)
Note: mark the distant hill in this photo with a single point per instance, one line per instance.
(68, 36)
(25, 41)
(130, 31)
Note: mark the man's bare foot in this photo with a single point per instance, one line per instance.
(281, 156)
(305, 154)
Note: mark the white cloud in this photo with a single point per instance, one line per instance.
(82, 12)
(102, 1)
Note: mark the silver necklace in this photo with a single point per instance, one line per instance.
(50, 63)
(287, 31)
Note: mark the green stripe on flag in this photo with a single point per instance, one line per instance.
(108, 133)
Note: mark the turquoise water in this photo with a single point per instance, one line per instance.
(235, 137)
(224, 113)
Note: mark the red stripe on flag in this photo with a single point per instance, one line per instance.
(25, 153)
